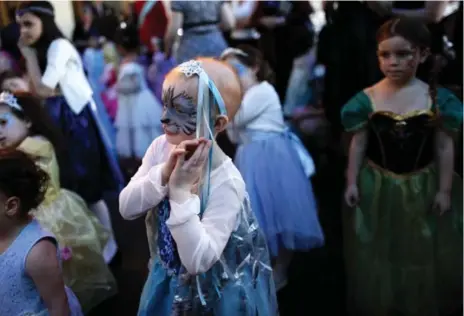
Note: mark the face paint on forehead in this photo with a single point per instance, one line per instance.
(180, 113)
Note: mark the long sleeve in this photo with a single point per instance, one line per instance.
(144, 191)
(58, 55)
(254, 103)
(200, 243)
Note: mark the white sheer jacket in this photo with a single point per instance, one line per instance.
(200, 242)
(64, 69)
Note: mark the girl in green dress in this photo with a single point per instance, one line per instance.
(403, 232)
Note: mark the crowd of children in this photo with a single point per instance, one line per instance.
(221, 231)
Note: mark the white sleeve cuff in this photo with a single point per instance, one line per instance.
(154, 176)
(182, 213)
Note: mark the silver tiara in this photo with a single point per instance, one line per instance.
(190, 68)
(10, 100)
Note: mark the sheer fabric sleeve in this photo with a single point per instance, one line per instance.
(355, 113)
(144, 191)
(449, 110)
(58, 55)
(200, 242)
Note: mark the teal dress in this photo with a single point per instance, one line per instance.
(401, 258)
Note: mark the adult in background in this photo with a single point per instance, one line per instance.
(201, 22)
(285, 31)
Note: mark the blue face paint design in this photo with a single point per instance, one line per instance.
(240, 68)
(6, 120)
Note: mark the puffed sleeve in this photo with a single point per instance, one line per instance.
(144, 191)
(177, 6)
(200, 242)
(58, 54)
(449, 110)
(355, 113)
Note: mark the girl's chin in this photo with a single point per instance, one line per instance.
(176, 139)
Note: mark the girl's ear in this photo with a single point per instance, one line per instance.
(221, 124)
(28, 124)
(12, 206)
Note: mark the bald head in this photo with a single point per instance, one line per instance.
(222, 75)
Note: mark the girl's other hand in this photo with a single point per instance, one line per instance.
(442, 203)
(352, 195)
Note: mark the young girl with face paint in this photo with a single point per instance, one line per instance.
(24, 125)
(403, 233)
(30, 273)
(280, 191)
(208, 256)
(57, 75)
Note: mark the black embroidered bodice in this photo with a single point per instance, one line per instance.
(401, 144)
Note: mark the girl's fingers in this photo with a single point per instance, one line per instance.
(194, 160)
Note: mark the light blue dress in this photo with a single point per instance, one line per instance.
(18, 293)
(239, 284)
(276, 169)
(202, 35)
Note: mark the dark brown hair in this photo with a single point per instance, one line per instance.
(419, 36)
(50, 30)
(6, 75)
(255, 59)
(22, 178)
(41, 124)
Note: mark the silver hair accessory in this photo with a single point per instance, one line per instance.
(10, 100)
(190, 68)
(233, 51)
(34, 9)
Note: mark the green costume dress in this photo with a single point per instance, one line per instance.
(401, 258)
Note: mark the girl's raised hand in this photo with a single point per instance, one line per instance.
(187, 171)
(172, 160)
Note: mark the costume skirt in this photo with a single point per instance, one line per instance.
(89, 166)
(401, 257)
(280, 193)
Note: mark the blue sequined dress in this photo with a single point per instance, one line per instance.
(239, 284)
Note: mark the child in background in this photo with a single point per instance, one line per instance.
(280, 191)
(137, 119)
(24, 125)
(158, 70)
(208, 256)
(109, 78)
(30, 275)
(403, 233)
